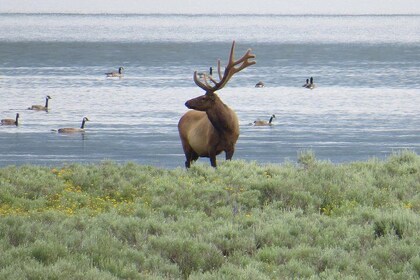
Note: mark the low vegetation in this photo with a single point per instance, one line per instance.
(243, 220)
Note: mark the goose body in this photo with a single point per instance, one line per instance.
(259, 84)
(116, 74)
(311, 84)
(73, 129)
(40, 107)
(264, 123)
(202, 74)
(11, 121)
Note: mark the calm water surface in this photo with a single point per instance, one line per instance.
(366, 68)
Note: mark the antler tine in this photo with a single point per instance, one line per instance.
(212, 79)
(206, 82)
(230, 70)
(232, 53)
(244, 60)
(199, 83)
(247, 55)
(219, 70)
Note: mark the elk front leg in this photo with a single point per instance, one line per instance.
(229, 153)
(190, 156)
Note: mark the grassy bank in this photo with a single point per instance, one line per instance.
(243, 220)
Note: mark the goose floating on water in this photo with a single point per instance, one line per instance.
(264, 123)
(307, 83)
(11, 121)
(116, 74)
(259, 84)
(74, 130)
(40, 107)
(311, 84)
(202, 74)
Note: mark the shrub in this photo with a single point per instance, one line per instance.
(243, 220)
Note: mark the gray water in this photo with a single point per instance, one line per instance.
(366, 68)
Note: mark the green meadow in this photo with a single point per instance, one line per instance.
(308, 219)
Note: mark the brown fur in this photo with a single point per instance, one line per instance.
(40, 107)
(74, 130)
(211, 127)
(11, 121)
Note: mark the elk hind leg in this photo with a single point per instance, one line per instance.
(212, 156)
(213, 161)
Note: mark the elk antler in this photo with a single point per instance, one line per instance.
(230, 70)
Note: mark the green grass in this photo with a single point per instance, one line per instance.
(243, 220)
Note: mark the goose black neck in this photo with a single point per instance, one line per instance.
(46, 102)
(83, 124)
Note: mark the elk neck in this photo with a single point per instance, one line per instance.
(220, 116)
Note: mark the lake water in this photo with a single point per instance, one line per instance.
(366, 68)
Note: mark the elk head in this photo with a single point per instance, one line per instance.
(212, 127)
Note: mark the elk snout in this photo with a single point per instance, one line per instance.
(188, 105)
(192, 105)
(197, 103)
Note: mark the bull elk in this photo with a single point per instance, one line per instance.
(212, 127)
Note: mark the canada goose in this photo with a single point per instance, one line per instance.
(74, 130)
(311, 84)
(259, 84)
(264, 123)
(116, 74)
(11, 121)
(202, 74)
(307, 83)
(40, 107)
